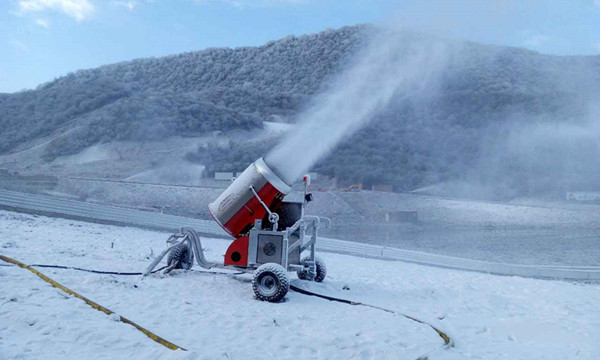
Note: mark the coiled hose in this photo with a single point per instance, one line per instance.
(190, 238)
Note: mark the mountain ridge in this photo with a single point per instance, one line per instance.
(223, 89)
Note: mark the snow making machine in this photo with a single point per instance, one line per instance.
(270, 234)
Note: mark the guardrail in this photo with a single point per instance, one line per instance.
(99, 213)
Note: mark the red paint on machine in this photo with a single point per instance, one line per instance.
(244, 218)
(237, 253)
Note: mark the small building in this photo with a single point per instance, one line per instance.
(397, 216)
(381, 187)
(582, 196)
(223, 176)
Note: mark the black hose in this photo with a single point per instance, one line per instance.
(326, 297)
(446, 338)
(119, 272)
(92, 271)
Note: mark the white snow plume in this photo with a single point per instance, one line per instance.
(541, 156)
(392, 65)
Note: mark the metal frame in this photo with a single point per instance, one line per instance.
(305, 223)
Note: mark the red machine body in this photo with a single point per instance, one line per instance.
(238, 207)
(237, 252)
(270, 234)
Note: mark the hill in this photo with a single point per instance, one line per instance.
(186, 94)
(492, 115)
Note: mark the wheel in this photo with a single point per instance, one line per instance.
(270, 282)
(321, 270)
(180, 257)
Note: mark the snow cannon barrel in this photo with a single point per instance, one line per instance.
(237, 207)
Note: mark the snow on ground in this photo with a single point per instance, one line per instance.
(217, 317)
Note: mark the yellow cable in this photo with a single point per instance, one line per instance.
(447, 340)
(93, 304)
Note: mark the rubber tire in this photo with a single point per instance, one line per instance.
(321, 269)
(183, 257)
(272, 274)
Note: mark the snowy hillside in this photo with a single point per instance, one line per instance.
(216, 316)
(489, 121)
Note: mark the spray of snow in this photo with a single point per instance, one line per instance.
(392, 65)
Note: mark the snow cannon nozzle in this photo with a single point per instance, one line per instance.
(251, 196)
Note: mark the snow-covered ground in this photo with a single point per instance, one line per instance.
(217, 317)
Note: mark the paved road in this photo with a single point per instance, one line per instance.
(78, 210)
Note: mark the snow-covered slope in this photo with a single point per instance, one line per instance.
(216, 316)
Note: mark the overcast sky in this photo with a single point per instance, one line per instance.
(44, 39)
